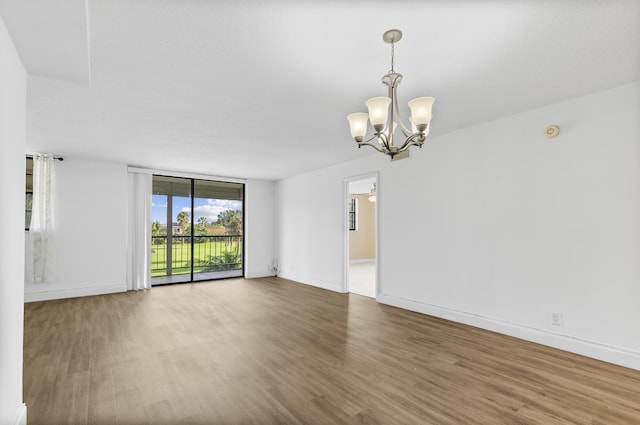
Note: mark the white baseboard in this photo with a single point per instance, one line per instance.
(21, 417)
(363, 261)
(615, 355)
(335, 287)
(254, 275)
(73, 293)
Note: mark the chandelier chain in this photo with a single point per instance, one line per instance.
(393, 51)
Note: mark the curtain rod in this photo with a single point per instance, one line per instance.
(59, 158)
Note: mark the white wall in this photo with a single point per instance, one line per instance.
(259, 206)
(497, 226)
(13, 89)
(91, 233)
(309, 217)
(92, 230)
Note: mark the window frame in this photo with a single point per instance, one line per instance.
(353, 214)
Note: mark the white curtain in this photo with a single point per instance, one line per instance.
(41, 228)
(139, 232)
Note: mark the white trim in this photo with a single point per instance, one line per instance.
(363, 261)
(615, 355)
(330, 286)
(21, 417)
(170, 173)
(254, 275)
(75, 292)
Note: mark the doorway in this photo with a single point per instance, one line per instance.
(361, 262)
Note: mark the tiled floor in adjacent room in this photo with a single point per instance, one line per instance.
(362, 278)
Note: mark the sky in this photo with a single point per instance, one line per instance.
(209, 208)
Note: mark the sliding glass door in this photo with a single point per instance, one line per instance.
(218, 229)
(197, 230)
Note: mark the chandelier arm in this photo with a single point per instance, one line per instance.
(403, 127)
(374, 146)
(368, 140)
(361, 144)
(385, 140)
(417, 139)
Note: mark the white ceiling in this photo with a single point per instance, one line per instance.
(260, 89)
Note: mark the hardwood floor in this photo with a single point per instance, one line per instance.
(271, 351)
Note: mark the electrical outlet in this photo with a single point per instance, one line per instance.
(556, 319)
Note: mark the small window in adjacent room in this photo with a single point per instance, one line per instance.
(353, 216)
(28, 194)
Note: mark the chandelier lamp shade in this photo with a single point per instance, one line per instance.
(385, 118)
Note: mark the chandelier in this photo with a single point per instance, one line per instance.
(383, 113)
(372, 194)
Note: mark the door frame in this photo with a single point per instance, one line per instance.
(345, 228)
